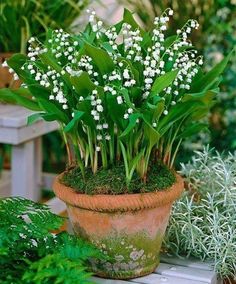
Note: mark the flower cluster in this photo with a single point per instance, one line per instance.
(118, 88)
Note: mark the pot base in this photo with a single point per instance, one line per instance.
(127, 274)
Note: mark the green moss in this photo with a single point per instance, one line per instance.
(112, 181)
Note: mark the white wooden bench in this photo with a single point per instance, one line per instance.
(26, 162)
(173, 270)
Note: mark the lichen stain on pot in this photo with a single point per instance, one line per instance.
(130, 255)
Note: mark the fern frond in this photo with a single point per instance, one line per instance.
(31, 254)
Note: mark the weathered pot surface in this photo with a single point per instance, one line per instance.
(128, 228)
(6, 78)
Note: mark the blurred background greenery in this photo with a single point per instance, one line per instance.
(215, 38)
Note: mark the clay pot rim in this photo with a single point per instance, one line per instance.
(121, 202)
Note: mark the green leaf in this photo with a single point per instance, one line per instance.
(192, 130)
(204, 81)
(177, 113)
(125, 93)
(129, 19)
(34, 117)
(163, 81)
(83, 84)
(16, 97)
(206, 96)
(41, 115)
(132, 123)
(51, 108)
(16, 61)
(73, 122)
(157, 110)
(151, 134)
(170, 40)
(100, 58)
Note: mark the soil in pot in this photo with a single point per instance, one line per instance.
(128, 228)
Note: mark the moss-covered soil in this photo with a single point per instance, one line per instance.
(112, 181)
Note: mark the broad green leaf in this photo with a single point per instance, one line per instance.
(132, 123)
(49, 60)
(41, 115)
(116, 111)
(206, 96)
(163, 81)
(85, 107)
(126, 96)
(170, 40)
(16, 61)
(210, 76)
(73, 122)
(177, 113)
(192, 130)
(100, 58)
(157, 110)
(129, 19)
(151, 134)
(34, 117)
(39, 91)
(83, 84)
(15, 97)
(50, 108)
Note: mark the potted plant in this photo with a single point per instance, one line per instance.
(19, 20)
(125, 99)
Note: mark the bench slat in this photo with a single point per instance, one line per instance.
(186, 273)
(189, 262)
(109, 281)
(15, 136)
(161, 279)
(16, 118)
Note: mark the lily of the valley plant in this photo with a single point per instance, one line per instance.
(119, 93)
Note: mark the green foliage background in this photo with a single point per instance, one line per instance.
(21, 19)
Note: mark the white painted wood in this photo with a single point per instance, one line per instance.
(189, 262)
(6, 108)
(109, 281)
(17, 118)
(186, 273)
(11, 113)
(27, 153)
(23, 174)
(38, 162)
(15, 136)
(161, 279)
(56, 205)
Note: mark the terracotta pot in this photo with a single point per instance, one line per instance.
(6, 78)
(129, 228)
